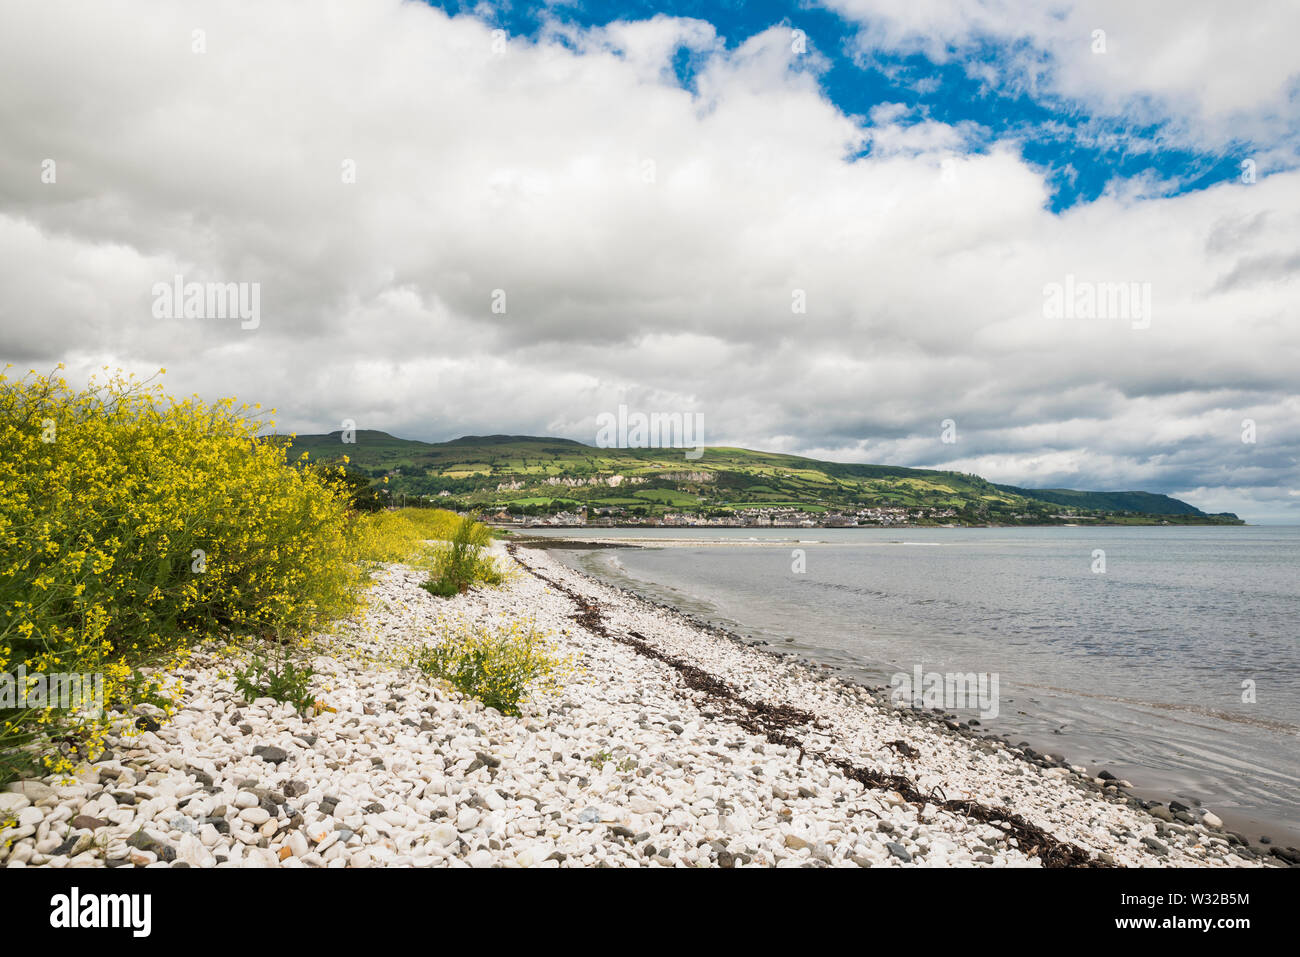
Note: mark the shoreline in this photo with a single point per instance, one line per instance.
(674, 745)
(946, 723)
(1274, 831)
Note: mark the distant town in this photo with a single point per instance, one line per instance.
(756, 518)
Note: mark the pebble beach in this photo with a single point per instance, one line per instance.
(671, 744)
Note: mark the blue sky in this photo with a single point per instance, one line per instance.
(1078, 150)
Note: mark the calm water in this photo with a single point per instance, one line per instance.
(1140, 669)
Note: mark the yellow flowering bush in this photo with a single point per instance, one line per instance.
(499, 665)
(402, 535)
(133, 525)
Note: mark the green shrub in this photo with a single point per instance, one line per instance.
(500, 666)
(282, 680)
(441, 588)
(464, 561)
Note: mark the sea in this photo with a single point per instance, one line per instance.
(1169, 656)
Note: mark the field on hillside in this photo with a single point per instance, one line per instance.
(525, 475)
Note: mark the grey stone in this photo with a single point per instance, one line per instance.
(899, 851)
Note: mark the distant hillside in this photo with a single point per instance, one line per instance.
(532, 475)
(1146, 502)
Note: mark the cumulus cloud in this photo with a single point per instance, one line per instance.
(539, 233)
(1213, 71)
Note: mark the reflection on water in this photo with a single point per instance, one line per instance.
(1145, 669)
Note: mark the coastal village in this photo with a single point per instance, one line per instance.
(759, 516)
(740, 518)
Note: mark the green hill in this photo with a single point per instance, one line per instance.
(531, 475)
(1145, 502)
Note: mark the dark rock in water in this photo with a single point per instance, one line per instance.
(1265, 839)
(1106, 776)
(1288, 854)
(1176, 806)
(899, 851)
(1163, 813)
(271, 754)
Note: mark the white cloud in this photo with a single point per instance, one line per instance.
(1216, 72)
(649, 241)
